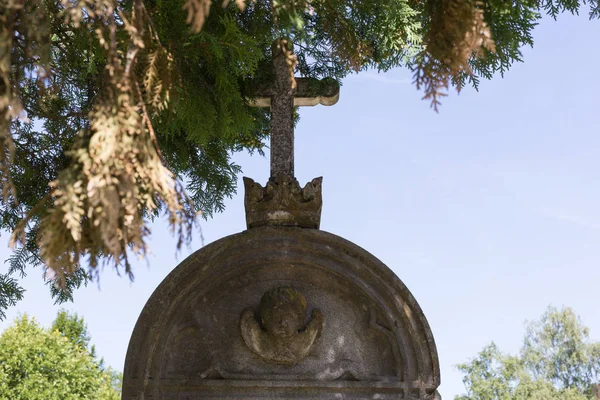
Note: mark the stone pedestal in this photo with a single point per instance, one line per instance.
(281, 312)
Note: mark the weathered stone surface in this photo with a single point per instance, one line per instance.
(371, 339)
(309, 92)
(282, 116)
(282, 95)
(279, 335)
(282, 202)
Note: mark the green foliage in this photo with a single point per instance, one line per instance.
(557, 361)
(113, 112)
(73, 328)
(10, 293)
(557, 349)
(50, 364)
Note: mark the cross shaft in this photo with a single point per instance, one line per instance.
(282, 116)
(281, 97)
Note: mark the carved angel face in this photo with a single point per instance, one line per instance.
(282, 312)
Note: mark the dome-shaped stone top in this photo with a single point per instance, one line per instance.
(280, 312)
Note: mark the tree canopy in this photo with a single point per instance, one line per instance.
(115, 111)
(53, 364)
(557, 361)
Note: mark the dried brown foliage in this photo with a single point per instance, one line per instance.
(99, 204)
(458, 32)
(198, 11)
(21, 25)
(345, 42)
(285, 47)
(117, 175)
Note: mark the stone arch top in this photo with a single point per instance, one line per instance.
(279, 312)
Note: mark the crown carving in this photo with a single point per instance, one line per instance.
(282, 202)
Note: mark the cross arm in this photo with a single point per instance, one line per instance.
(308, 92)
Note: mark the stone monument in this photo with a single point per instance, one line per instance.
(283, 309)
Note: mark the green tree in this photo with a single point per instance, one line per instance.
(557, 361)
(115, 111)
(73, 328)
(52, 364)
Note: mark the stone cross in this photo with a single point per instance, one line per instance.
(281, 96)
(232, 321)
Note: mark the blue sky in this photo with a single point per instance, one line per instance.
(488, 211)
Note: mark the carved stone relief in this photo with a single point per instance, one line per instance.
(281, 312)
(280, 335)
